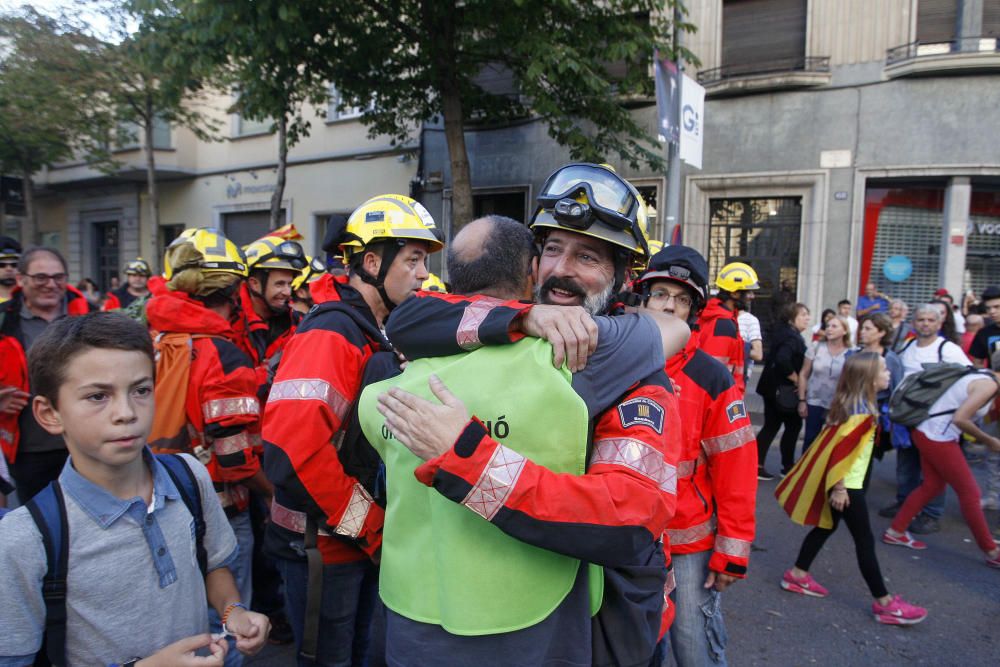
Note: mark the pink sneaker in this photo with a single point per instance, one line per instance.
(804, 586)
(906, 540)
(898, 612)
(993, 562)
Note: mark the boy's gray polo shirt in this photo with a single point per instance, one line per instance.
(133, 585)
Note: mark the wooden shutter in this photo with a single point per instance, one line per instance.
(991, 18)
(761, 31)
(936, 21)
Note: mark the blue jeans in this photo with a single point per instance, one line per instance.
(908, 477)
(242, 573)
(698, 634)
(350, 592)
(815, 420)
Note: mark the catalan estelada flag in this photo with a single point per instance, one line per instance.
(804, 490)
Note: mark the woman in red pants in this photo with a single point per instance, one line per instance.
(942, 461)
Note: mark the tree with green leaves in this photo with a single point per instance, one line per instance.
(141, 91)
(573, 64)
(268, 52)
(50, 109)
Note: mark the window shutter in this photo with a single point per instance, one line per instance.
(761, 31)
(991, 18)
(936, 21)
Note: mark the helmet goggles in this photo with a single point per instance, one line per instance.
(609, 198)
(289, 252)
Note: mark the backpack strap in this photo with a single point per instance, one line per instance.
(941, 350)
(48, 509)
(187, 485)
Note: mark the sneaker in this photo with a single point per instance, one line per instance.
(804, 586)
(905, 541)
(990, 503)
(890, 511)
(898, 612)
(763, 475)
(924, 525)
(993, 562)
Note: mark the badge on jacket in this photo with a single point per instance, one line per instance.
(736, 410)
(641, 411)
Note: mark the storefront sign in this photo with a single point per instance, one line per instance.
(989, 228)
(235, 189)
(897, 268)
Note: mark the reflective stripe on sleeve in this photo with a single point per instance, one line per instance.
(731, 546)
(231, 445)
(227, 407)
(495, 483)
(723, 443)
(637, 456)
(467, 335)
(691, 534)
(353, 519)
(312, 389)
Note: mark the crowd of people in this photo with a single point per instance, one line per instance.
(549, 460)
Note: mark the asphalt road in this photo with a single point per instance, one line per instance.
(769, 626)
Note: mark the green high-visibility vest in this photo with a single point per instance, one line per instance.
(441, 562)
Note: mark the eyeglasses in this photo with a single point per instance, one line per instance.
(662, 295)
(42, 279)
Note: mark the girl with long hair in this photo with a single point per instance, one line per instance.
(828, 483)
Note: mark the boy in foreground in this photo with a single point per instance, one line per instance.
(135, 594)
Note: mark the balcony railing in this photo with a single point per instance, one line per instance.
(819, 64)
(962, 45)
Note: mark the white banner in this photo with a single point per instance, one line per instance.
(692, 121)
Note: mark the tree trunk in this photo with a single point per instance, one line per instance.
(154, 194)
(279, 188)
(31, 221)
(461, 179)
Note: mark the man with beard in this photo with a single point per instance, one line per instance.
(718, 329)
(610, 511)
(10, 252)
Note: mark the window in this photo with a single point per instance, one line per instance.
(937, 21)
(509, 204)
(246, 127)
(245, 227)
(763, 36)
(131, 135)
(348, 112)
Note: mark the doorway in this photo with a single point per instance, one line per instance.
(763, 233)
(107, 256)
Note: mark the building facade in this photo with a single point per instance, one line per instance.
(844, 140)
(102, 221)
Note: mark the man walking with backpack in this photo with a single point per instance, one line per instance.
(928, 347)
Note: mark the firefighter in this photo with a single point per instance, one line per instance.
(274, 263)
(323, 508)
(206, 389)
(10, 254)
(137, 275)
(718, 331)
(713, 526)
(302, 299)
(590, 226)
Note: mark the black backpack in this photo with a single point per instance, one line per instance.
(48, 509)
(911, 402)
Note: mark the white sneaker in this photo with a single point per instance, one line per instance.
(990, 503)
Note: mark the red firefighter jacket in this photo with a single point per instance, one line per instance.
(255, 332)
(315, 388)
(221, 405)
(717, 473)
(614, 515)
(719, 337)
(14, 359)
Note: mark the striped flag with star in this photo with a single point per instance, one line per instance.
(803, 492)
